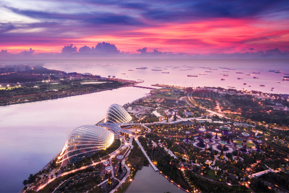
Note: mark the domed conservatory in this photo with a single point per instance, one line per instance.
(117, 114)
(85, 141)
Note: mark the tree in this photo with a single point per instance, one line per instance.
(25, 182)
(120, 168)
(175, 116)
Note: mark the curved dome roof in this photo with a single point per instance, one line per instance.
(84, 141)
(117, 114)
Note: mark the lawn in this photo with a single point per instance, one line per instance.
(249, 144)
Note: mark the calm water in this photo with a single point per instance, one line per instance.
(32, 134)
(178, 76)
(147, 180)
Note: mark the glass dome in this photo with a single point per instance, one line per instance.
(85, 141)
(117, 114)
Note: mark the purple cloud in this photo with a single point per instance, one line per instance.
(69, 49)
(143, 50)
(106, 48)
(27, 53)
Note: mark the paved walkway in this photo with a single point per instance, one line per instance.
(127, 168)
(153, 166)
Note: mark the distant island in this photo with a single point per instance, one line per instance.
(25, 83)
(198, 139)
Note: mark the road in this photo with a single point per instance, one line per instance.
(190, 100)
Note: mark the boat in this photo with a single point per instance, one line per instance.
(255, 77)
(165, 72)
(182, 70)
(272, 88)
(156, 70)
(202, 74)
(262, 85)
(192, 75)
(286, 78)
(225, 75)
(256, 72)
(244, 83)
(130, 70)
(209, 71)
(272, 70)
(123, 73)
(222, 79)
(142, 68)
(239, 78)
(278, 71)
(239, 73)
(249, 85)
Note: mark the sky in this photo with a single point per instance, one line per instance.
(144, 27)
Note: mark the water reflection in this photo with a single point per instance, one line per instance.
(147, 180)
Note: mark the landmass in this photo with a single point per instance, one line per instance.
(199, 139)
(24, 83)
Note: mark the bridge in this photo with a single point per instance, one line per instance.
(145, 87)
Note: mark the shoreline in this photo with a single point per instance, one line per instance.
(56, 95)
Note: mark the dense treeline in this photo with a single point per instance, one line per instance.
(207, 186)
(278, 117)
(259, 187)
(281, 179)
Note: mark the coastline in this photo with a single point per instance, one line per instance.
(54, 95)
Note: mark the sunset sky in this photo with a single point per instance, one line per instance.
(183, 26)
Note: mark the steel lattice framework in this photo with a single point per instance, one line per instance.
(117, 114)
(84, 141)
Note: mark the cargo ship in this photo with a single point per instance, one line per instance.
(142, 68)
